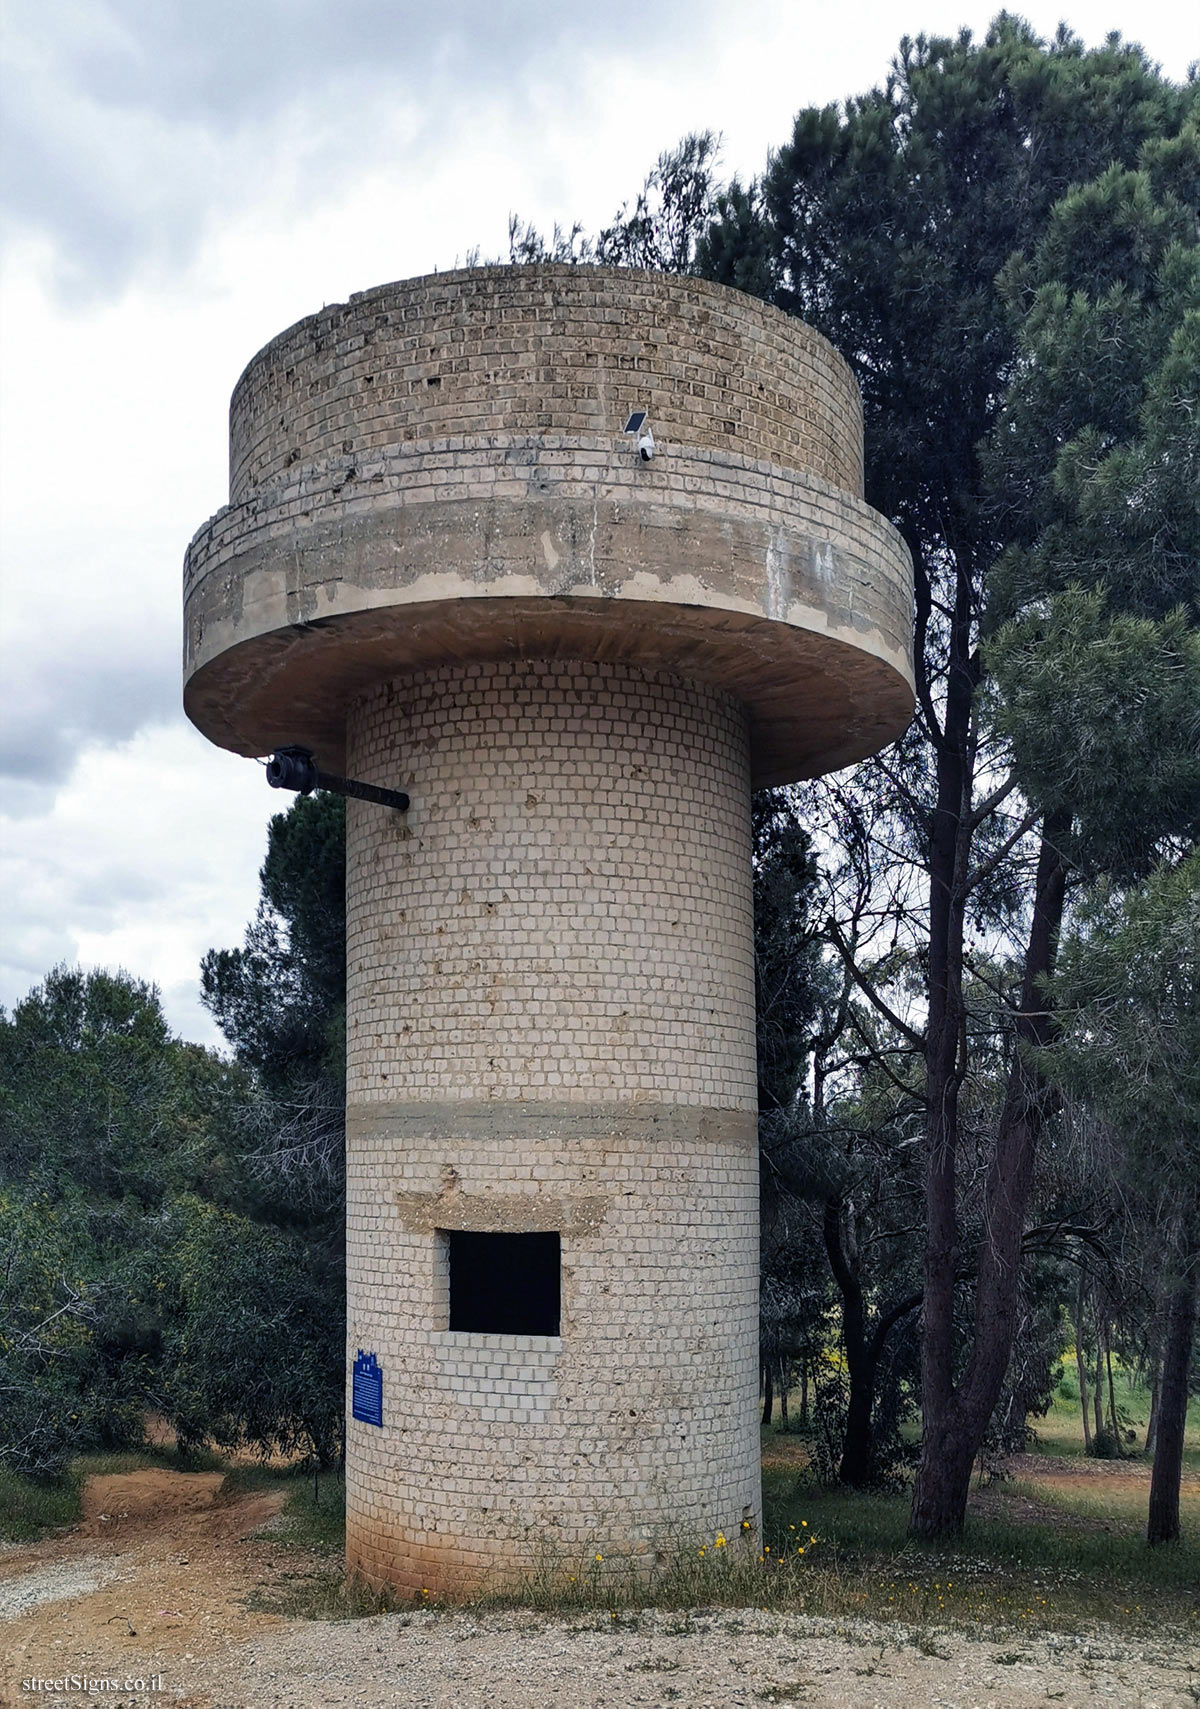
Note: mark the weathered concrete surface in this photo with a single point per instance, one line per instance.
(487, 505)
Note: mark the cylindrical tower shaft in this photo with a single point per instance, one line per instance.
(551, 1031)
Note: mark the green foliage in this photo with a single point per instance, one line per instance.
(31, 1507)
(671, 212)
(93, 1092)
(47, 1307)
(1128, 991)
(281, 1002)
(1102, 715)
(280, 999)
(1034, 1370)
(888, 222)
(251, 1359)
(1098, 483)
(262, 1286)
(663, 230)
(1097, 684)
(103, 1118)
(170, 1225)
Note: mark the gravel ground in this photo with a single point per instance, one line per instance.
(161, 1580)
(58, 1583)
(701, 1661)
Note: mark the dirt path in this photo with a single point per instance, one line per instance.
(1122, 1485)
(152, 1589)
(153, 1577)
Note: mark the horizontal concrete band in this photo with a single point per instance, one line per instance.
(524, 468)
(619, 1123)
(763, 582)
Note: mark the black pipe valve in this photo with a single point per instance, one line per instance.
(295, 768)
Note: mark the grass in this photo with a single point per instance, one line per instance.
(1116, 1504)
(308, 1527)
(167, 1457)
(326, 1593)
(311, 1519)
(1005, 1572)
(998, 1575)
(1060, 1431)
(31, 1510)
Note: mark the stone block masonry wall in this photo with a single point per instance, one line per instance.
(532, 349)
(551, 1027)
(566, 911)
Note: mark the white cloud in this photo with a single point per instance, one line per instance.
(184, 180)
(148, 856)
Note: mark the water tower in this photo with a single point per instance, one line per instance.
(456, 563)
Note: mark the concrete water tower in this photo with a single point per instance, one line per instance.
(447, 568)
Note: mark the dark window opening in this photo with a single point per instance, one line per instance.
(504, 1284)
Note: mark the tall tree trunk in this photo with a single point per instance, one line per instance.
(942, 1440)
(1081, 1361)
(855, 1465)
(784, 1379)
(768, 1393)
(1152, 1421)
(858, 1449)
(804, 1394)
(1163, 1521)
(1112, 1397)
(1098, 1392)
(956, 1418)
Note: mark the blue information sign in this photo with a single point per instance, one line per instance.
(367, 1389)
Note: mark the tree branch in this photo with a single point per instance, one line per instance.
(916, 1039)
(991, 802)
(988, 866)
(923, 605)
(891, 1318)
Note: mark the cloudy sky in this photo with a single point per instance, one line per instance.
(181, 180)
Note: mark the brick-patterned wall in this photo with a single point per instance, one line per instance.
(565, 911)
(546, 349)
(551, 1025)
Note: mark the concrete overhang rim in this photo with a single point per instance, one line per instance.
(886, 723)
(323, 483)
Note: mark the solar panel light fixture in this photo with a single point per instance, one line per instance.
(639, 423)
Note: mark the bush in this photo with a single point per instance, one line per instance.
(1105, 1445)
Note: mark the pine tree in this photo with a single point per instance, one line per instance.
(891, 225)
